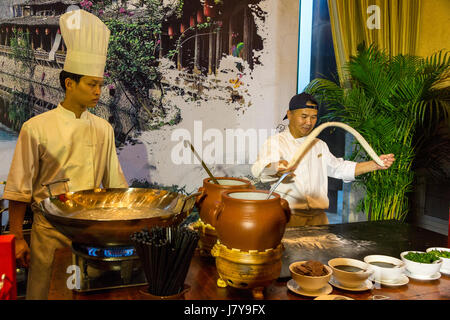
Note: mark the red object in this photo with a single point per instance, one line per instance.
(448, 242)
(208, 9)
(59, 31)
(37, 30)
(182, 28)
(192, 21)
(199, 16)
(47, 31)
(170, 31)
(8, 268)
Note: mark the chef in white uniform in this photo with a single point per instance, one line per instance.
(306, 189)
(67, 142)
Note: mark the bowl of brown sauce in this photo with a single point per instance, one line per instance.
(350, 273)
(386, 268)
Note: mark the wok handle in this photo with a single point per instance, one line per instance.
(196, 194)
(65, 180)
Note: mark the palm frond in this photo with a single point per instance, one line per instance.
(390, 98)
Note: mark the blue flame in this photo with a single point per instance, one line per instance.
(93, 252)
(110, 253)
(114, 253)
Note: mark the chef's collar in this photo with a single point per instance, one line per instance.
(300, 139)
(69, 114)
(292, 137)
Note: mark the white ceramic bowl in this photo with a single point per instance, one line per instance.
(347, 278)
(421, 269)
(386, 273)
(445, 261)
(309, 283)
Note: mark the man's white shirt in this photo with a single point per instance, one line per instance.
(308, 190)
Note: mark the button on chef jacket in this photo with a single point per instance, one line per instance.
(308, 190)
(56, 145)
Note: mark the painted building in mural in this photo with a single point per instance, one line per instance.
(27, 81)
(226, 90)
(31, 83)
(240, 75)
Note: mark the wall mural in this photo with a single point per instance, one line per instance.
(208, 71)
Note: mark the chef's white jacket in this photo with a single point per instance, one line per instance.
(308, 190)
(56, 145)
(52, 146)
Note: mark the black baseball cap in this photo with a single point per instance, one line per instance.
(299, 102)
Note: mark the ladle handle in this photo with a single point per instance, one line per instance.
(277, 183)
(200, 159)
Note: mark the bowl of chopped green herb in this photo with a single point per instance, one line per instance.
(421, 263)
(444, 254)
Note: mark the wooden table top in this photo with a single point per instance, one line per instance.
(202, 275)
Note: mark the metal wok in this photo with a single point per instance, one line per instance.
(80, 216)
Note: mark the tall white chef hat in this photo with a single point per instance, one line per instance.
(86, 38)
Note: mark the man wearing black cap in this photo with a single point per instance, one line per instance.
(307, 189)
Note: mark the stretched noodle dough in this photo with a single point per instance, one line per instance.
(344, 126)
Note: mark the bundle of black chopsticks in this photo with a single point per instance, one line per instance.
(165, 254)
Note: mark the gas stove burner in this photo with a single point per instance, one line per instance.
(107, 267)
(115, 252)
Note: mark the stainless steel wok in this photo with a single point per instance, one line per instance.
(99, 217)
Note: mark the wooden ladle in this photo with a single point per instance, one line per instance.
(188, 143)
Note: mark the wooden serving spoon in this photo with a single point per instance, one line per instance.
(188, 143)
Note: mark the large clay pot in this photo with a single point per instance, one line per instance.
(211, 194)
(247, 220)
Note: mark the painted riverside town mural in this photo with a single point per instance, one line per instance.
(217, 73)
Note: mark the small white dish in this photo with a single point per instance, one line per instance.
(348, 277)
(435, 276)
(333, 297)
(386, 268)
(445, 272)
(309, 283)
(294, 287)
(445, 268)
(401, 281)
(419, 269)
(366, 285)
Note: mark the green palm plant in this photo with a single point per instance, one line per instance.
(387, 99)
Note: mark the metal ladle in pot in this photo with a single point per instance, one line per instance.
(277, 183)
(188, 143)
